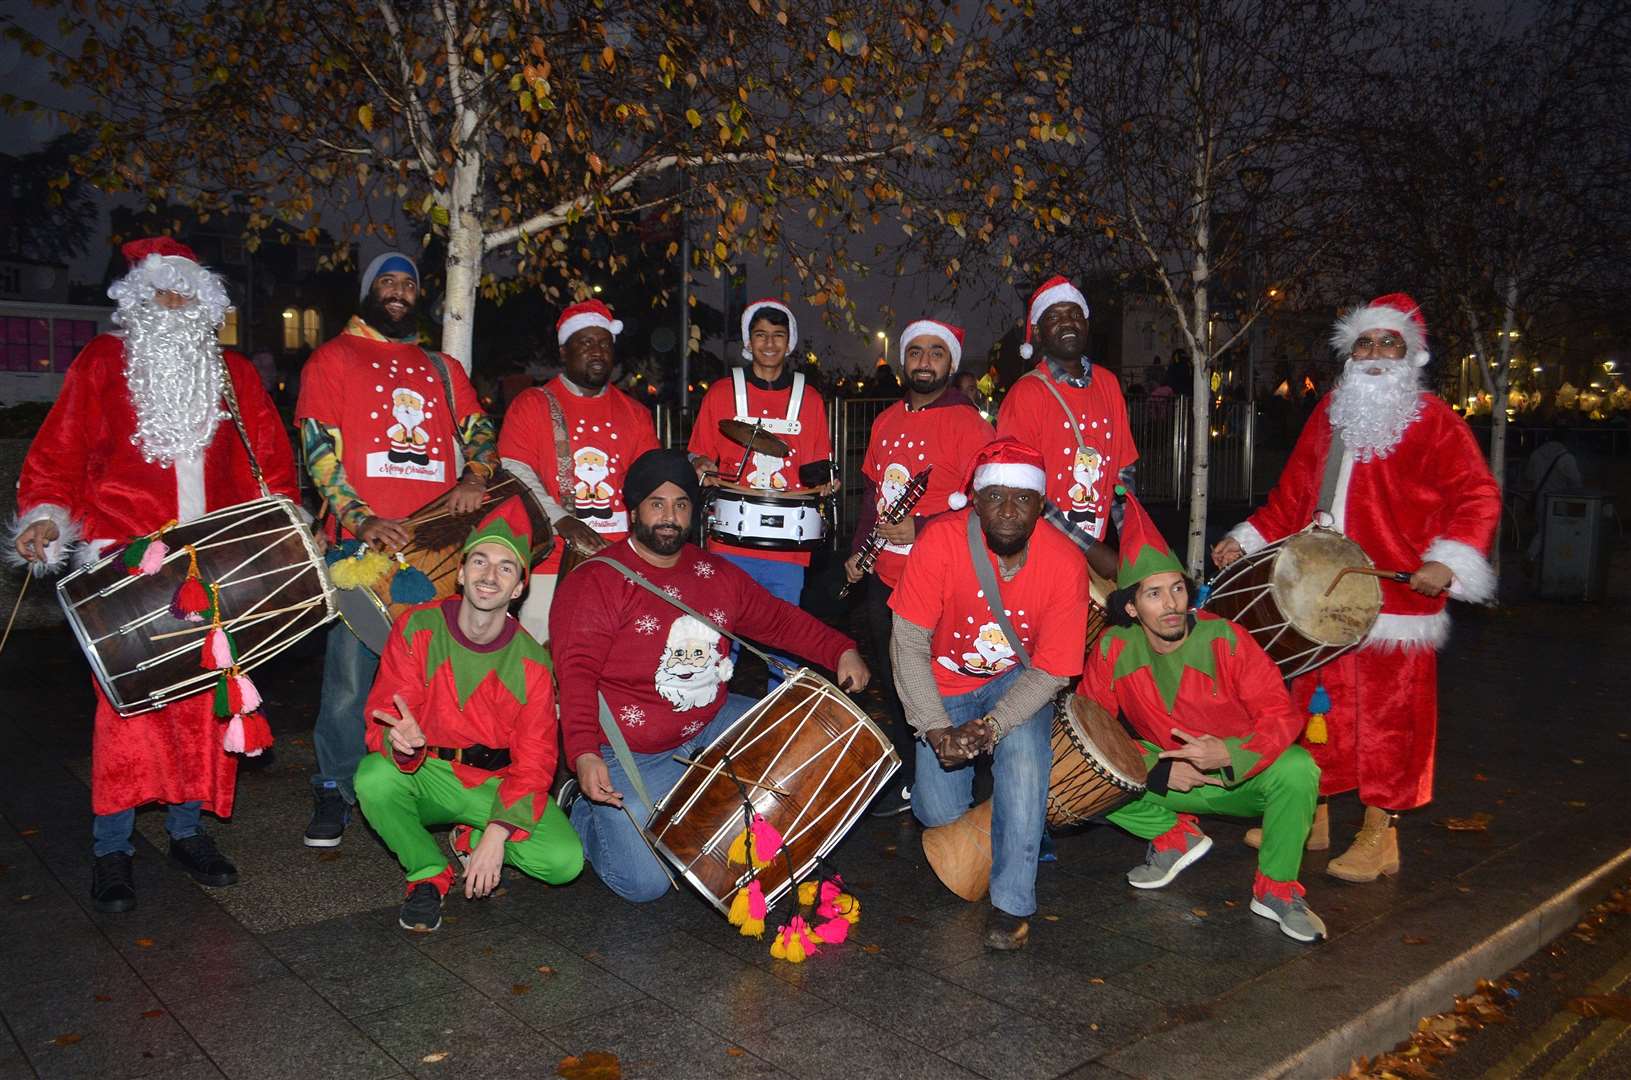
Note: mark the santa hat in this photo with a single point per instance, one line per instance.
(1005, 461)
(163, 263)
(753, 309)
(1144, 550)
(1055, 290)
(163, 246)
(951, 336)
(1396, 312)
(387, 262)
(507, 524)
(581, 316)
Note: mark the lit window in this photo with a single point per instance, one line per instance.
(229, 329)
(291, 329)
(311, 328)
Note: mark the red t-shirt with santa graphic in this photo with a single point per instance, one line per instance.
(904, 442)
(662, 671)
(812, 442)
(604, 434)
(1046, 602)
(398, 438)
(1081, 480)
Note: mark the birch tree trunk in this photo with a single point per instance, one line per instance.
(464, 258)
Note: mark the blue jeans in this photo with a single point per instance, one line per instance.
(784, 581)
(610, 842)
(348, 674)
(1019, 770)
(111, 832)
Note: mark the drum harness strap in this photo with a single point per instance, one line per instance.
(993, 595)
(1056, 516)
(1333, 473)
(231, 395)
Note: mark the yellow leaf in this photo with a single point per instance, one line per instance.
(693, 117)
(365, 117)
(836, 40)
(591, 1065)
(720, 250)
(608, 58)
(434, 1056)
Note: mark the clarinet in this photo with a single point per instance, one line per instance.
(892, 514)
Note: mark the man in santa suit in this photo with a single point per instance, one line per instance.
(1393, 468)
(1073, 411)
(934, 427)
(598, 428)
(139, 437)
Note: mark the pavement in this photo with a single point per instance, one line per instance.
(300, 970)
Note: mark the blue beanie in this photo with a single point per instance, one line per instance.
(388, 262)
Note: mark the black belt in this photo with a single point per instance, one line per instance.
(490, 758)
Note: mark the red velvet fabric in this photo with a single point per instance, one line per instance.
(1382, 727)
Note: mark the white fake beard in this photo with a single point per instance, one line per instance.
(173, 367)
(1372, 411)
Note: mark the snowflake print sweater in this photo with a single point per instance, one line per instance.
(663, 672)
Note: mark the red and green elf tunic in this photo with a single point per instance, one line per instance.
(1219, 682)
(464, 694)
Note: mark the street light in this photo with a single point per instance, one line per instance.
(884, 337)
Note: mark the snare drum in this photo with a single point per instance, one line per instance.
(272, 583)
(1097, 766)
(806, 738)
(789, 520)
(1278, 595)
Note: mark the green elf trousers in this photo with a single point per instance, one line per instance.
(1283, 794)
(400, 805)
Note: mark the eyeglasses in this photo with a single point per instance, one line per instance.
(1386, 343)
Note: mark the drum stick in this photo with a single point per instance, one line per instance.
(1392, 575)
(655, 854)
(21, 589)
(247, 616)
(783, 792)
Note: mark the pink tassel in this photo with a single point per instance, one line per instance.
(217, 650)
(756, 901)
(250, 696)
(833, 931)
(801, 930)
(766, 840)
(153, 558)
(233, 741)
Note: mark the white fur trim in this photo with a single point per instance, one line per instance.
(1474, 577)
(957, 500)
(1064, 293)
(747, 321)
(586, 319)
(56, 552)
(930, 328)
(1025, 350)
(91, 551)
(1010, 474)
(1409, 631)
(189, 487)
(1373, 317)
(1246, 535)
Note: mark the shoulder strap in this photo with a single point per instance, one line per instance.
(1333, 471)
(796, 398)
(1075, 428)
(230, 393)
(988, 583)
(563, 452)
(440, 365)
(620, 747)
(739, 384)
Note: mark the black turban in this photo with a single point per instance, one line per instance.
(654, 468)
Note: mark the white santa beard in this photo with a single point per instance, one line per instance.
(1372, 411)
(173, 368)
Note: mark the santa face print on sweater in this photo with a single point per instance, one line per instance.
(1086, 469)
(766, 472)
(408, 437)
(591, 494)
(692, 668)
(893, 485)
(991, 654)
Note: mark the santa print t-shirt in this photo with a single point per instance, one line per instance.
(662, 671)
(812, 443)
(903, 443)
(605, 434)
(1046, 602)
(1079, 485)
(397, 437)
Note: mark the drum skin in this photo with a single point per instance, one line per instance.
(261, 555)
(806, 738)
(1097, 766)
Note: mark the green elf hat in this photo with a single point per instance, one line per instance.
(1143, 549)
(509, 525)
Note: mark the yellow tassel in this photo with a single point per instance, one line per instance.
(795, 949)
(737, 854)
(849, 907)
(808, 892)
(1316, 729)
(362, 571)
(738, 915)
(776, 949)
(754, 928)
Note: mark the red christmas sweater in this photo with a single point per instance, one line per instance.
(812, 442)
(604, 433)
(662, 671)
(464, 694)
(1218, 682)
(1046, 602)
(1079, 483)
(945, 434)
(398, 438)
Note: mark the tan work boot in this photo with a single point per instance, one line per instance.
(1375, 851)
(1319, 833)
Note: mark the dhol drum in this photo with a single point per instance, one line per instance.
(807, 739)
(273, 591)
(436, 551)
(786, 520)
(1097, 767)
(1278, 595)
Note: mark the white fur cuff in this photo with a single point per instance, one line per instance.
(1246, 535)
(1474, 576)
(1409, 631)
(56, 552)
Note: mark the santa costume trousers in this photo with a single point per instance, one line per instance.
(1382, 728)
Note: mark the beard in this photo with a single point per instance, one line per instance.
(927, 382)
(665, 542)
(1006, 548)
(174, 371)
(375, 314)
(1372, 411)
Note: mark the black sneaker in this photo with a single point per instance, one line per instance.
(568, 794)
(422, 911)
(1005, 932)
(199, 856)
(329, 817)
(893, 801)
(113, 883)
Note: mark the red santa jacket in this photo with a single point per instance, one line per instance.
(1431, 499)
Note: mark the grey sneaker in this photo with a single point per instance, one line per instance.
(1160, 867)
(1295, 919)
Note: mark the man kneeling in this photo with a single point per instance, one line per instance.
(1217, 726)
(466, 735)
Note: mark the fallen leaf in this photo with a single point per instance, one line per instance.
(592, 1065)
(144, 943)
(101, 997)
(1478, 822)
(520, 988)
(1576, 804)
(67, 1040)
(1616, 1005)
(872, 948)
(328, 856)
(1480, 777)
(152, 1014)
(1231, 903)
(30, 830)
(1095, 981)
(25, 898)
(1198, 912)
(735, 1051)
(1051, 918)
(1411, 939)
(545, 969)
(1092, 1027)
(906, 920)
(1577, 761)
(486, 950)
(433, 1057)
